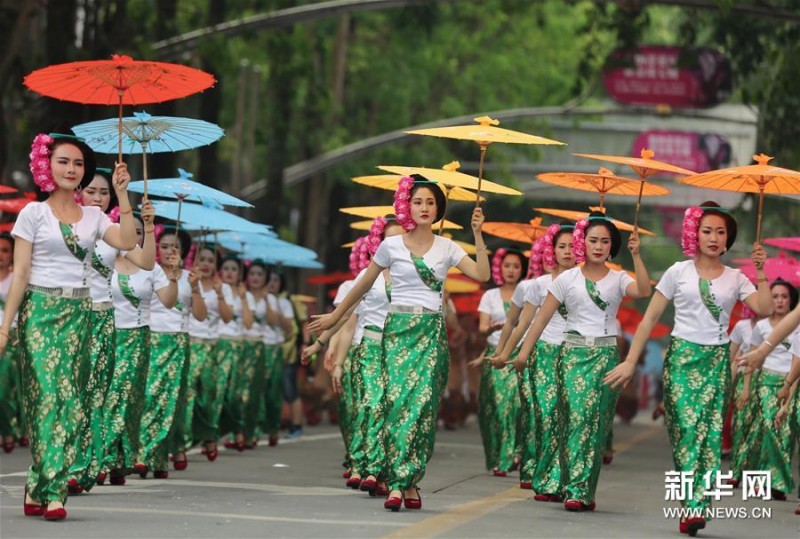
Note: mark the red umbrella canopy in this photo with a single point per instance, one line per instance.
(118, 81)
(334, 278)
(783, 266)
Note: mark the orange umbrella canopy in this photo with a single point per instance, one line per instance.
(604, 182)
(578, 215)
(521, 232)
(760, 178)
(120, 80)
(644, 166)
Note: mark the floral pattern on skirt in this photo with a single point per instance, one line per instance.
(543, 367)
(773, 446)
(54, 338)
(11, 423)
(743, 421)
(498, 414)
(416, 360)
(369, 418)
(273, 390)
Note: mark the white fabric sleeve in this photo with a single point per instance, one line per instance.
(160, 279)
(534, 294)
(795, 348)
(455, 253)
(103, 224)
(559, 288)
(485, 304)
(624, 280)
(518, 297)
(666, 285)
(736, 336)
(25, 227)
(383, 256)
(756, 338)
(745, 286)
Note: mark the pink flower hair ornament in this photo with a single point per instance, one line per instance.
(375, 236)
(359, 255)
(536, 267)
(402, 203)
(114, 215)
(579, 240)
(40, 163)
(691, 224)
(497, 265)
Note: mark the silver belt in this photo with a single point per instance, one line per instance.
(102, 306)
(373, 335)
(580, 341)
(412, 309)
(201, 340)
(63, 292)
(776, 373)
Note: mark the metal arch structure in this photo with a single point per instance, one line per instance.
(304, 170)
(174, 46)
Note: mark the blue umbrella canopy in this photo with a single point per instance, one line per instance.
(269, 249)
(151, 134)
(184, 188)
(201, 217)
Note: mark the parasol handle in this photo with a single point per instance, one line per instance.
(178, 222)
(241, 264)
(760, 211)
(484, 146)
(144, 169)
(119, 126)
(638, 205)
(447, 190)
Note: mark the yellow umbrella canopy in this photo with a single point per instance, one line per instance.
(521, 232)
(485, 133)
(760, 178)
(365, 225)
(348, 245)
(368, 212)
(450, 177)
(390, 181)
(578, 215)
(644, 167)
(604, 182)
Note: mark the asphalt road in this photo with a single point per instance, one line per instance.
(296, 490)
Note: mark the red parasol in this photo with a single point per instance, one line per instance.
(118, 81)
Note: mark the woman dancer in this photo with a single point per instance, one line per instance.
(414, 347)
(542, 366)
(696, 369)
(132, 291)
(771, 447)
(591, 295)
(205, 392)
(50, 289)
(12, 425)
(165, 395)
(89, 465)
(498, 395)
(367, 382)
(270, 413)
(230, 348)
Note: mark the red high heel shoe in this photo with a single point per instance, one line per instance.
(683, 527)
(55, 514)
(369, 485)
(526, 485)
(393, 503)
(160, 474)
(211, 455)
(141, 469)
(695, 524)
(413, 503)
(499, 473)
(101, 479)
(608, 459)
(8, 447)
(116, 478)
(73, 487)
(180, 465)
(31, 509)
(354, 483)
(230, 444)
(383, 491)
(273, 440)
(578, 506)
(24, 442)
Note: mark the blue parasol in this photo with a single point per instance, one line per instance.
(201, 217)
(145, 134)
(184, 188)
(269, 249)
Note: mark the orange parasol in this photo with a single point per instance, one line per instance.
(644, 167)
(604, 182)
(760, 178)
(521, 232)
(118, 81)
(578, 215)
(484, 134)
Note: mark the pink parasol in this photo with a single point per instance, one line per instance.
(790, 244)
(783, 266)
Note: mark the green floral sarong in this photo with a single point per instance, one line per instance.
(10, 393)
(126, 399)
(588, 407)
(55, 334)
(774, 447)
(273, 390)
(254, 352)
(369, 419)
(345, 405)
(168, 354)
(696, 392)
(416, 359)
(498, 414)
(743, 421)
(547, 418)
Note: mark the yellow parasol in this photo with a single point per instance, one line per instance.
(578, 215)
(365, 225)
(522, 232)
(458, 283)
(368, 212)
(485, 133)
(644, 167)
(390, 181)
(760, 178)
(604, 182)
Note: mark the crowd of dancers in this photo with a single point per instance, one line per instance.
(124, 344)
